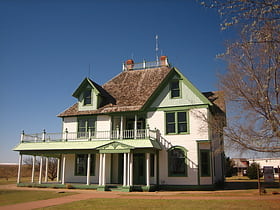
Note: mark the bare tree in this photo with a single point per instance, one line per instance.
(252, 82)
(251, 86)
(52, 166)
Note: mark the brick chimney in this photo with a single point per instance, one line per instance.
(129, 64)
(163, 60)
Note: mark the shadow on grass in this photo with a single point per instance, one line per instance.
(243, 185)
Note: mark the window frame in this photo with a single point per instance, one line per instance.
(170, 164)
(84, 164)
(176, 122)
(204, 165)
(86, 127)
(179, 89)
(87, 96)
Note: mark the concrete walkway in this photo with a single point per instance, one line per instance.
(92, 194)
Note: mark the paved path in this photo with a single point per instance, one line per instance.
(92, 194)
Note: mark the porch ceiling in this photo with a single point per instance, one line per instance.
(86, 145)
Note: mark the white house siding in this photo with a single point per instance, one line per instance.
(198, 131)
(70, 171)
(103, 124)
(187, 97)
(70, 123)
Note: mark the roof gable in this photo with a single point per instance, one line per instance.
(190, 95)
(86, 83)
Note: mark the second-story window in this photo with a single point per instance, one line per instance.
(84, 126)
(87, 97)
(176, 122)
(175, 89)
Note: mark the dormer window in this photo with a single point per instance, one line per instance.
(87, 97)
(175, 88)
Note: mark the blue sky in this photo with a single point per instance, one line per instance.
(46, 48)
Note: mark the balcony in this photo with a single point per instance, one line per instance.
(89, 136)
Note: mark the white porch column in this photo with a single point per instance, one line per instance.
(33, 169)
(103, 170)
(58, 169)
(47, 168)
(148, 169)
(19, 168)
(63, 169)
(121, 128)
(88, 169)
(124, 169)
(100, 169)
(131, 169)
(41, 170)
(135, 127)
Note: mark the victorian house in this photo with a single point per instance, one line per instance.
(147, 128)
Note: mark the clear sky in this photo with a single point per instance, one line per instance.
(46, 47)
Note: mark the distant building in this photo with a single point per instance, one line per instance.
(264, 162)
(147, 128)
(240, 166)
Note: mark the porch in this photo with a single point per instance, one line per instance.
(132, 171)
(88, 136)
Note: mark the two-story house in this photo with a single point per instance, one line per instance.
(147, 128)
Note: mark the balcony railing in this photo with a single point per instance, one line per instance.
(89, 136)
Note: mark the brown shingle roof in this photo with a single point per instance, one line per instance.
(130, 89)
(217, 98)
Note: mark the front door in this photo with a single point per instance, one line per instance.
(139, 172)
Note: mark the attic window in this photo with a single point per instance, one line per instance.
(87, 97)
(175, 88)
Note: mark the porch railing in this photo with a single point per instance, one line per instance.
(89, 136)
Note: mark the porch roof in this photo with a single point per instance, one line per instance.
(56, 147)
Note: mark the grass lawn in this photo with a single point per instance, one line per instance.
(13, 180)
(8, 197)
(167, 204)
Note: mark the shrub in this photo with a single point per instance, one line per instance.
(252, 171)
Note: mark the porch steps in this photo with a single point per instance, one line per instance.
(114, 188)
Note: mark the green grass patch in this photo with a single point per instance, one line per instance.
(167, 204)
(8, 197)
(13, 180)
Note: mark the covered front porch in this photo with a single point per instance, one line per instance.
(111, 166)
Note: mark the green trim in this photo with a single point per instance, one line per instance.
(114, 151)
(177, 122)
(159, 89)
(203, 141)
(209, 171)
(186, 187)
(193, 88)
(179, 88)
(166, 81)
(177, 108)
(170, 174)
(83, 86)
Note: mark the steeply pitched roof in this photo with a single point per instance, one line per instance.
(216, 98)
(130, 90)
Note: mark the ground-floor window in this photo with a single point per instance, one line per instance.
(177, 162)
(205, 163)
(81, 165)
